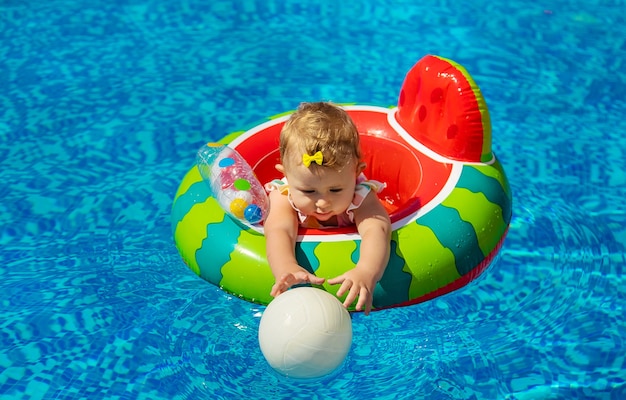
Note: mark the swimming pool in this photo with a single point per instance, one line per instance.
(103, 104)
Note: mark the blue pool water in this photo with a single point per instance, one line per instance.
(104, 103)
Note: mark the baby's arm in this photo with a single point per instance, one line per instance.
(281, 231)
(374, 226)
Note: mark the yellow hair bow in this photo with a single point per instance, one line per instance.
(317, 158)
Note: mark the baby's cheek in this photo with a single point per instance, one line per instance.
(302, 203)
(346, 201)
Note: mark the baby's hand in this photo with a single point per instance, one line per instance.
(360, 283)
(289, 279)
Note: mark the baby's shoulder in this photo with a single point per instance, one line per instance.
(278, 185)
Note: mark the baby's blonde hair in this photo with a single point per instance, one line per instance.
(324, 127)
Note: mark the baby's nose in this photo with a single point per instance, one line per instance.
(322, 202)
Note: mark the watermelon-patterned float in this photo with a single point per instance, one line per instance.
(447, 195)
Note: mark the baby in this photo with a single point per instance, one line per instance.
(323, 186)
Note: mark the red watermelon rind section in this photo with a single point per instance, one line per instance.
(441, 106)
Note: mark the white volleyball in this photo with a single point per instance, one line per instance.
(305, 333)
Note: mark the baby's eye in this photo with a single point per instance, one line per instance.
(308, 191)
(336, 190)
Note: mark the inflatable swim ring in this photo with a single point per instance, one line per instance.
(448, 197)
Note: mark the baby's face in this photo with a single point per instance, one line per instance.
(322, 193)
